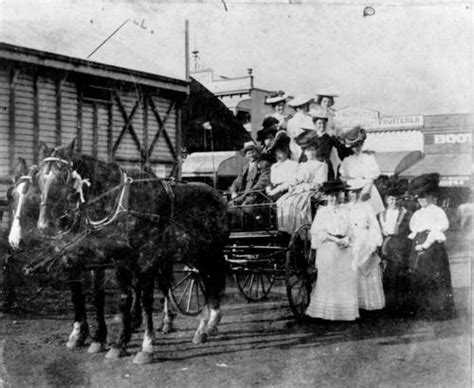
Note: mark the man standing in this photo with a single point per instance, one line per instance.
(254, 177)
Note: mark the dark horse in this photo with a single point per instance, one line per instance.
(145, 224)
(35, 253)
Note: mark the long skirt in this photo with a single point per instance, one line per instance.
(335, 294)
(396, 250)
(430, 281)
(294, 210)
(370, 289)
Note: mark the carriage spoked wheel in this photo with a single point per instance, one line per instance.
(187, 290)
(300, 271)
(254, 285)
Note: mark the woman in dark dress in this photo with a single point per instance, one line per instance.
(394, 223)
(430, 280)
(326, 142)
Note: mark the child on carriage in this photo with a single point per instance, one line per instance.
(294, 208)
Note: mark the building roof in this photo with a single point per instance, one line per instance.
(447, 122)
(69, 49)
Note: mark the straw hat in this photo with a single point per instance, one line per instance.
(326, 93)
(269, 127)
(355, 184)
(276, 98)
(354, 136)
(249, 145)
(307, 138)
(300, 99)
(318, 114)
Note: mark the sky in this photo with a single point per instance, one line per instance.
(408, 58)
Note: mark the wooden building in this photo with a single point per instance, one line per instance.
(116, 114)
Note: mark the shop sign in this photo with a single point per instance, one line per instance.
(454, 181)
(452, 138)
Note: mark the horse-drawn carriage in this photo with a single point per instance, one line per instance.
(258, 255)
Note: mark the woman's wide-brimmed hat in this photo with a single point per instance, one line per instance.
(354, 136)
(318, 114)
(276, 98)
(301, 99)
(281, 142)
(307, 139)
(269, 127)
(249, 145)
(355, 184)
(426, 184)
(395, 188)
(332, 187)
(328, 92)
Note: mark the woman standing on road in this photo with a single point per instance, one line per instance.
(431, 288)
(366, 239)
(335, 294)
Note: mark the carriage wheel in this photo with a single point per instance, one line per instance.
(253, 285)
(300, 271)
(187, 290)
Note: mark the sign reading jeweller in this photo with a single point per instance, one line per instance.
(369, 119)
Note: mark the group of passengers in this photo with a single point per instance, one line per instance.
(303, 160)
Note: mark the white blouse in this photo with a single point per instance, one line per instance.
(312, 171)
(431, 218)
(361, 166)
(329, 220)
(284, 172)
(296, 123)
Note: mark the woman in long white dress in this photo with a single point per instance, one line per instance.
(335, 295)
(294, 208)
(361, 166)
(366, 238)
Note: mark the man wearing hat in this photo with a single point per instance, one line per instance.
(278, 102)
(299, 122)
(430, 280)
(265, 136)
(394, 224)
(254, 177)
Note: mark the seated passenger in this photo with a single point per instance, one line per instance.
(294, 208)
(266, 136)
(283, 173)
(254, 178)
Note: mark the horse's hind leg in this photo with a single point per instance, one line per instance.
(98, 340)
(80, 330)
(200, 335)
(136, 310)
(215, 285)
(145, 356)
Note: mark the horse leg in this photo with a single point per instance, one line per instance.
(121, 328)
(98, 340)
(168, 315)
(80, 329)
(136, 310)
(145, 356)
(215, 285)
(200, 336)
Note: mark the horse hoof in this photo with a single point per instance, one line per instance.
(199, 338)
(167, 328)
(143, 358)
(114, 354)
(212, 330)
(75, 343)
(96, 347)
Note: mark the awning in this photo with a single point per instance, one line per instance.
(395, 162)
(455, 169)
(223, 163)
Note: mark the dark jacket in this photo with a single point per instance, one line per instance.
(259, 179)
